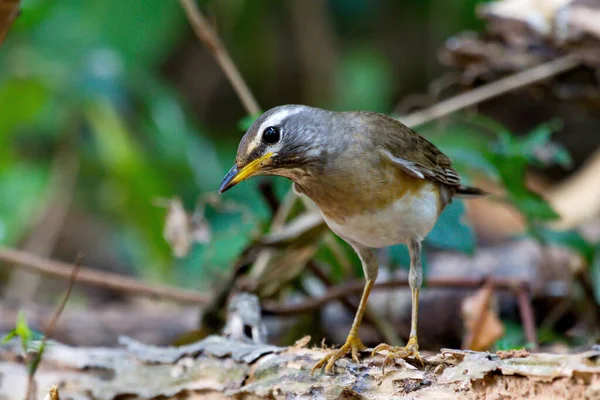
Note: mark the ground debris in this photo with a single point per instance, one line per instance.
(541, 366)
(52, 394)
(518, 353)
(521, 34)
(213, 345)
(219, 367)
(182, 229)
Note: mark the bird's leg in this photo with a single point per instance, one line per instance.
(353, 343)
(415, 280)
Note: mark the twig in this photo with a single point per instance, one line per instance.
(267, 189)
(31, 386)
(72, 279)
(107, 280)
(352, 288)
(9, 11)
(338, 253)
(207, 35)
(486, 92)
(31, 392)
(54, 208)
(92, 277)
(527, 316)
(264, 257)
(316, 48)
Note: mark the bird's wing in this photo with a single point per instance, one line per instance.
(414, 154)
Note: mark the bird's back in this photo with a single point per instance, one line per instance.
(365, 198)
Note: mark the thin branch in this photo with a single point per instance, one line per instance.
(213, 43)
(92, 277)
(72, 279)
(50, 328)
(54, 208)
(486, 92)
(352, 288)
(267, 190)
(9, 11)
(107, 280)
(527, 316)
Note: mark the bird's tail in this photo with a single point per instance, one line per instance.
(470, 192)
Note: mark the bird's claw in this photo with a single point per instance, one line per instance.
(353, 345)
(410, 350)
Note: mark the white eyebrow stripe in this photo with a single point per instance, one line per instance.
(273, 120)
(278, 117)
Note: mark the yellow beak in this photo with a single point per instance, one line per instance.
(235, 176)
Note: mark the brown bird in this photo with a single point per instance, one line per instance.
(376, 182)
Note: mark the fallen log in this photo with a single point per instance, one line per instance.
(220, 368)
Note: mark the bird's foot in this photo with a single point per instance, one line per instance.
(410, 350)
(353, 345)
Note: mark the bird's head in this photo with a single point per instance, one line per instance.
(284, 141)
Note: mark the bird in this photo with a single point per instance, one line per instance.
(375, 181)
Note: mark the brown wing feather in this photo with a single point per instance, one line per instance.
(410, 150)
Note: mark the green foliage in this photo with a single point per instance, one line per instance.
(511, 170)
(399, 257)
(21, 187)
(595, 273)
(245, 123)
(485, 146)
(371, 82)
(505, 157)
(334, 261)
(232, 231)
(467, 145)
(547, 335)
(536, 147)
(102, 64)
(511, 157)
(570, 239)
(513, 338)
(32, 95)
(32, 342)
(29, 337)
(452, 231)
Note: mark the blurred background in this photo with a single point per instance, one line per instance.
(117, 126)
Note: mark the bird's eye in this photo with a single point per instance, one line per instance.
(271, 135)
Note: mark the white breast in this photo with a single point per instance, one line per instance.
(411, 217)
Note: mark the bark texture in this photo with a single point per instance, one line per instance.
(219, 368)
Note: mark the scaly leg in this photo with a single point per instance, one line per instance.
(353, 343)
(415, 280)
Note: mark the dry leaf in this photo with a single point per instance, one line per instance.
(482, 324)
(300, 343)
(586, 20)
(52, 393)
(182, 229)
(538, 15)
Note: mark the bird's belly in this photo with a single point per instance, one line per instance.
(409, 217)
